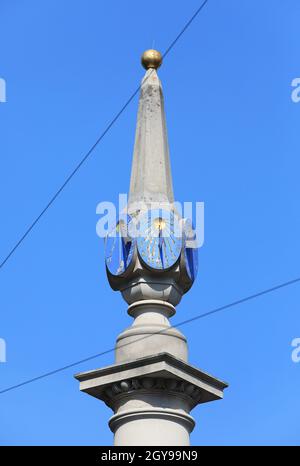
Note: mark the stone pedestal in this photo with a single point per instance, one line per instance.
(151, 398)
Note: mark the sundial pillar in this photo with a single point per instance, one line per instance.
(151, 258)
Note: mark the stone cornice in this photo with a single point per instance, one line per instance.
(152, 385)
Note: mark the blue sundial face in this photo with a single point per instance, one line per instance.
(190, 251)
(119, 248)
(159, 241)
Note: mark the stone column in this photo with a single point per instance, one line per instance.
(151, 387)
(150, 331)
(152, 411)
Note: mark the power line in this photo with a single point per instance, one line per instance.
(184, 322)
(87, 155)
(185, 28)
(239, 301)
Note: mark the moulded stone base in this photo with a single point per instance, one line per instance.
(151, 398)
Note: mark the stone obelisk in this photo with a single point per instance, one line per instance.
(151, 387)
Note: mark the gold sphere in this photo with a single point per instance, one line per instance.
(151, 59)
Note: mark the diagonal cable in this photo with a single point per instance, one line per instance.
(180, 324)
(90, 151)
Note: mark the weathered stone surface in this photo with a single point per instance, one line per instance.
(151, 179)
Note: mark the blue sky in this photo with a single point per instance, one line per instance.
(233, 133)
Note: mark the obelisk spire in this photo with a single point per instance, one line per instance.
(151, 179)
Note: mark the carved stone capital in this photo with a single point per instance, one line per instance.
(116, 392)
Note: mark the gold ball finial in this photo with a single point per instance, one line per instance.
(151, 59)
